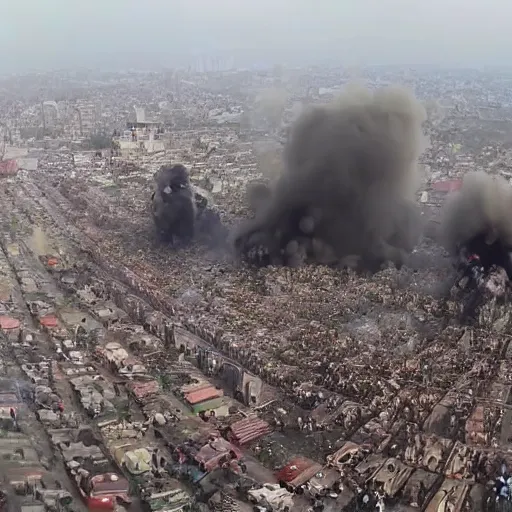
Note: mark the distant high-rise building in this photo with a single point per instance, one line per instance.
(87, 116)
(205, 64)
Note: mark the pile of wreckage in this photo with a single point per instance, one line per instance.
(403, 438)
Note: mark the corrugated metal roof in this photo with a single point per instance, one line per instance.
(49, 321)
(8, 167)
(8, 322)
(196, 386)
(142, 390)
(446, 185)
(203, 394)
(296, 468)
(249, 429)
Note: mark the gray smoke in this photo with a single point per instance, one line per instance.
(347, 191)
(483, 206)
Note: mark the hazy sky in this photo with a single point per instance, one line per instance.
(151, 33)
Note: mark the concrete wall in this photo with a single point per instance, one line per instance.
(15, 152)
(151, 146)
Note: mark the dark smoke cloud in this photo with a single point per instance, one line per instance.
(346, 193)
(482, 207)
(257, 195)
(172, 203)
(181, 212)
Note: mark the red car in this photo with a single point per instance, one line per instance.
(103, 492)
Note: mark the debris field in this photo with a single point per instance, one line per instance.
(181, 380)
(140, 376)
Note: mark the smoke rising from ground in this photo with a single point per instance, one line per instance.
(270, 106)
(173, 205)
(483, 206)
(346, 193)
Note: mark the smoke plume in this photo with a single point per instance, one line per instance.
(346, 194)
(482, 207)
(270, 107)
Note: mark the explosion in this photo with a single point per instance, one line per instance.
(347, 192)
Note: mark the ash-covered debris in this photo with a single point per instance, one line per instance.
(346, 194)
(181, 212)
(477, 231)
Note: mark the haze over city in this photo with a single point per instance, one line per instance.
(164, 33)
